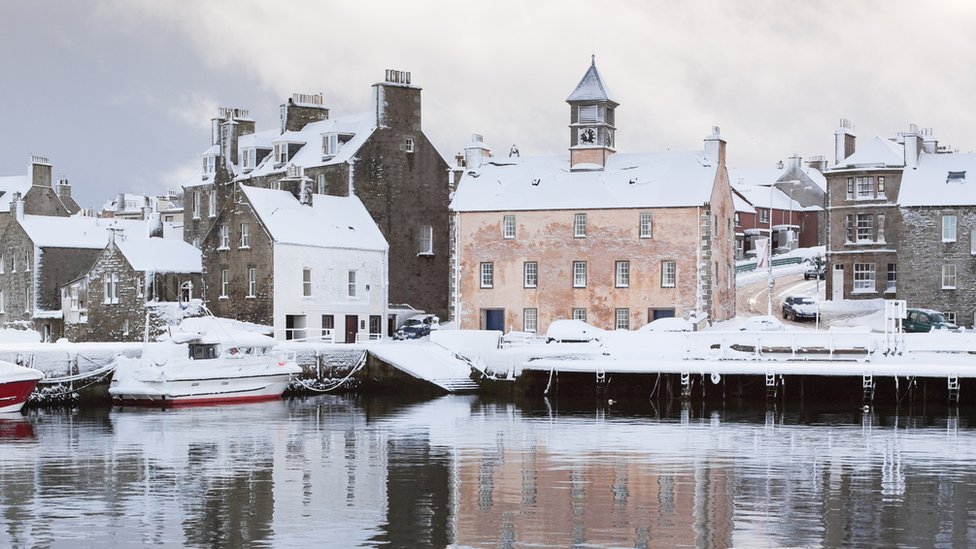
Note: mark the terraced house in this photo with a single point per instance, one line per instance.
(614, 239)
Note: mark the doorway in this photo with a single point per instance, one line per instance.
(654, 314)
(493, 319)
(837, 283)
(352, 328)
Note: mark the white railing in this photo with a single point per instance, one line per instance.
(325, 335)
(363, 337)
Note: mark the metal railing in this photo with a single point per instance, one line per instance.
(777, 262)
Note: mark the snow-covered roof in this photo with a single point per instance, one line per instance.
(160, 255)
(591, 87)
(630, 180)
(77, 231)
(877, 153)
(331, 221)
(816, 176)
(259, 140)
(940, 180)
(10, 185)
(766, 197)
(360, 126)
(741, 204)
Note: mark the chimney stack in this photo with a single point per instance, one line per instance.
(396, 102)
(39, 171)
(302, 109)
(817, 163)
(930, 145)
(794, 161)
(476, 152)
(843, 141)
(913, 146)
(64, 188)
(715, 146)
(17, 206)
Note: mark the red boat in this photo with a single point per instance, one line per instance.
(16, 384)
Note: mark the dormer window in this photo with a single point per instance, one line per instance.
(408, 145)
(250, 158)
(281, 153)
(209, 165)
(330, 144)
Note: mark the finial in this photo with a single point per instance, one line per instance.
(593, 59)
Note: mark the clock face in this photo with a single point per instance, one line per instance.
(587, 136)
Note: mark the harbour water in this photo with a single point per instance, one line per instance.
(333, 471)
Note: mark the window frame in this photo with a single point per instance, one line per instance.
(578, 313)
(509, 228)
(330, 144)
(621, 318)
(950, 228)
(306, 282)
(486, 275)
(252, 282)
(864, 188)
(579, 225)
(621, 274)
(864, 227)
(530, 274)
(224, 237)
(669, 272)
(579, 274)
(245, 241)
(950, 276)
(864, 278)
(646, 225)
(891, 278)
(212, 204)
(224, 284)
(425, 240)
(530, 320)
(196, 205)
(352, 284)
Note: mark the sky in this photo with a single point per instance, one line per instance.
(118, 94)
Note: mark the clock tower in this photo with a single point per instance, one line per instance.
(591, 122)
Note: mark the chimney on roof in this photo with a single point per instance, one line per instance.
(154, 225)
(39, 171)
(817, 163)
(715, 146)
(302, 109)
(17, 206)
(843, 141)
(64, 188)
(396, 102)
(930, 145)
(794, 161)
(227, 127)
(476, 152)
(913, 145)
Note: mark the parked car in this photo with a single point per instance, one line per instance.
(763, 324)
(566, 331)
(815, 270)
(926, 320)
(799, 307)
(417, 327)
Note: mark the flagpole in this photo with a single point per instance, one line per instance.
(769, 257)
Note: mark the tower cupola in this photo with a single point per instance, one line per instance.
(591, 122)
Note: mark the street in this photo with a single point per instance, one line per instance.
(751, 299)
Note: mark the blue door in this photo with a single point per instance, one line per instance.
(662, 313)
(495, 319)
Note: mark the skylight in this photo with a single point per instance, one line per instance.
(956, 177)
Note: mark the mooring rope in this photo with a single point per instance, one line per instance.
(99, 372)
(359, 365)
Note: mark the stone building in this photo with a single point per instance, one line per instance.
(109, 301)
(765, 211)
(36, 193)
(937, 256)
(614, 239)
(382, 157)
(40, 254)
(313, 266)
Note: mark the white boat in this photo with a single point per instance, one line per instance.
(16, 384)
(216, 366)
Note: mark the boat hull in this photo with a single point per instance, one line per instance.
(14, 394)
(202, 392)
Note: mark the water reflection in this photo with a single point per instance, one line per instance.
(460, 471)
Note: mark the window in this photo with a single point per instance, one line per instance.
(252, 282)
(508, 226)
(881, 184)
(948, 228)
(330, 144)
(530, 274)
(622, 274)
(408, 145)
(880, 237)
(646, 226)
(891, 285)
(320, 183)
(110, 288)
(579, 274)
(579, 313)
(351, 280)
(245, 236)
(307, 282)
(3, 308)
(738, 223)
(669, 274)
(763, 215)
(425, 240)
(212, 204)
(328, 322)
(949, 277)
(224, 283)
(27, 262)
(972, 245)
(864, 278)
(13, 262)
(530, 320)
(138, 287)
(850, 188)
(864, 187)
(850, 228)
(622, 319)
(488, 275)
(2, 262)
(865, 227)
(281, 153)
(949, 316)
(196, 205)
(250, 155)
(224, 237)
(579, 225)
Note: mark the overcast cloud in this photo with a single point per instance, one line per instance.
(119, 93)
